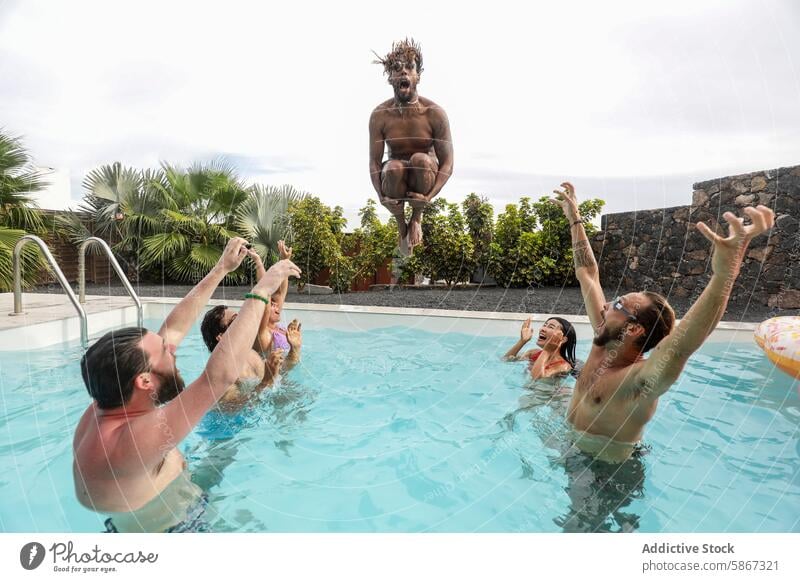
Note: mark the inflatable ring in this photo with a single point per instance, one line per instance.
(779, 337)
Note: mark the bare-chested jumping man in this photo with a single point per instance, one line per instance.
(416, 134)
(618, 390)
(126, 459)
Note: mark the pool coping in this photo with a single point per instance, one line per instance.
(56, 320)
(506, 315)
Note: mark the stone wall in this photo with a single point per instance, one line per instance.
(661, 250)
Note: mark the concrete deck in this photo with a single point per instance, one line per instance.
(42, 308)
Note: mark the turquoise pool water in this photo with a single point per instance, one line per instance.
(402, 430)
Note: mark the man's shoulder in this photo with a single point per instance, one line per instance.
(431, 107)
(98, 434)
(383, 108)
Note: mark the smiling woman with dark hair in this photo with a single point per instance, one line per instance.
(556, 353)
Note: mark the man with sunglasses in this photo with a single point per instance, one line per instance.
(618, 389)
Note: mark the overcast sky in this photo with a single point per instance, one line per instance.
(632, 101)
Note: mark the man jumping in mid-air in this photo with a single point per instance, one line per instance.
(416, 133)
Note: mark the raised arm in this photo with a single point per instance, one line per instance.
(443, 146)
(295, 338)
(264, 337)
(182, 317)
(586, 270)
(525, 335)
(285, 253)
(155, 433)
(661, 370)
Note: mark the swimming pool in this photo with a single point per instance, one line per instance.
(402, 427)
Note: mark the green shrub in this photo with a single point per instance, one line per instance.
(371, 245)
(523, 255)
(479, 215)
(316, 236)
(447, 250)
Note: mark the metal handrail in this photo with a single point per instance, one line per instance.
(59, 275)
(111, 259)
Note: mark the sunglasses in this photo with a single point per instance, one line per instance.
(618, 306)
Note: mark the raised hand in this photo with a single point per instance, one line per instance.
(273, 278)
(729, 251)
(567, 200)
(293, 335)
(233, 255)
(256, 258)
(283, 251)
(525, 334)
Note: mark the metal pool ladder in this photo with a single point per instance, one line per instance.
(111, 259)
(63, 281)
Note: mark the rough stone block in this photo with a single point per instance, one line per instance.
(680, 292)
(700, 198)
(699, 255)
(758, 183)
(788, 299)
(760, 254)
(740, 187)
(682, 214)
(695, 267)
(744, 200)
(766, 198)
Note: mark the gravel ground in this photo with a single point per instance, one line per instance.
(565, 300)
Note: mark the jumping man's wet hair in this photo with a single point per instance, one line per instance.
(404, 51)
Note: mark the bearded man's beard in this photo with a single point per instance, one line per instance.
(608, 335)
(171, 386)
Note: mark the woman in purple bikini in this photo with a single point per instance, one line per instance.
(272, 335)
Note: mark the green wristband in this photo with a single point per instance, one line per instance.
(256, 296)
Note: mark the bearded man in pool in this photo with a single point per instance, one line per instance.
(126, 459)
(618, 389)
(416, 133)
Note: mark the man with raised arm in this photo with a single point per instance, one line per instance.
(618, 389)
(416, 134)
(126, 459)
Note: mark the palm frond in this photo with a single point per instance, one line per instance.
(17, 174)
(159, 247)
(113, 182)
(18, 179)
(32, 261)
(263, 217)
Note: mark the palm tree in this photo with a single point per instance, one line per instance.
(110, 190)
(19, 214)
(263, 218)
(187, 218)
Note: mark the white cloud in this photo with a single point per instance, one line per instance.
(628, 94)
